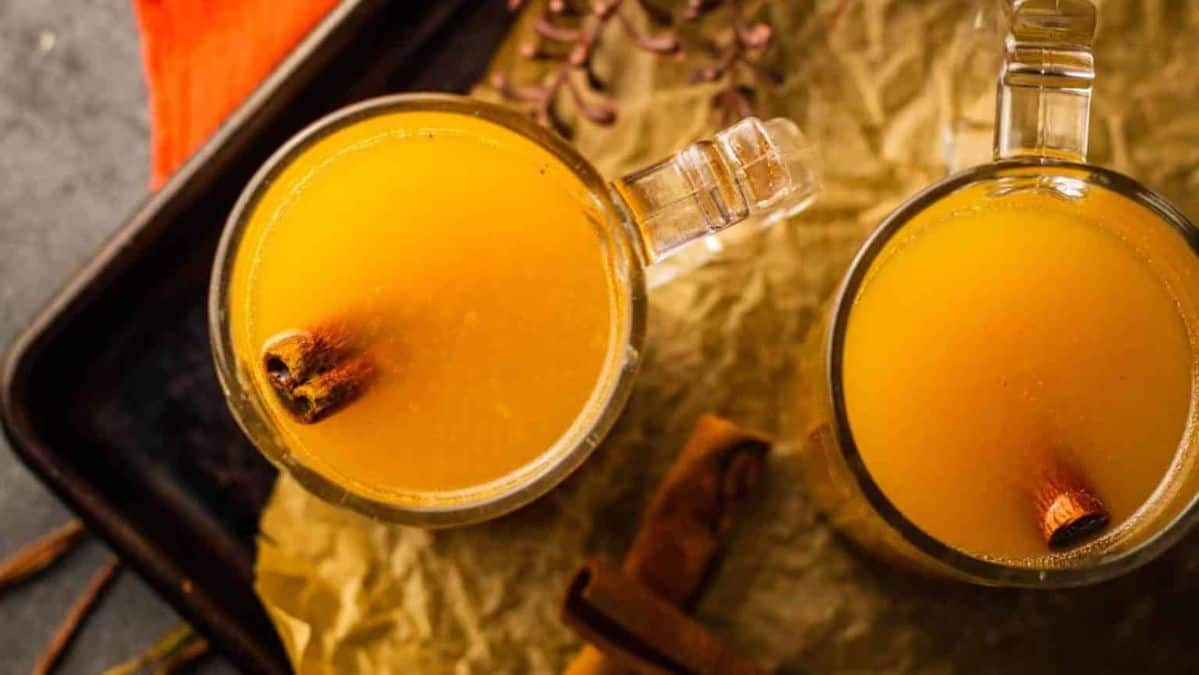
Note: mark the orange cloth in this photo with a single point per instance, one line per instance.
(203, 57)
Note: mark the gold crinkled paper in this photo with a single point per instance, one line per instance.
(898, 93)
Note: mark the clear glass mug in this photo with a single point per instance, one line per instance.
(753, 170)
(1043, 106)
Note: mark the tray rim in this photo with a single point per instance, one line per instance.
(90, 280)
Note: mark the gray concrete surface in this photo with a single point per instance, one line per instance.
(73, 163)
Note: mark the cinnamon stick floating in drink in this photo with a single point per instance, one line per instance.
(673, 552)
(641, 631)
(317, 372)
(1068, 510)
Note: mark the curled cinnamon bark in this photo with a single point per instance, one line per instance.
(1068, 509)
(674, 551)
(78, 614)
(317, 372)
(641, 631)
(695, 503)
(325, 393)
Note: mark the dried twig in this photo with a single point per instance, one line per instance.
(40, 554)
(95, 589)
(743, 51)
(192, 650)
(570, 31)
(570, 34)
(175, 641)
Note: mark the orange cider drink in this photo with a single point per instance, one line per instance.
(470, 264)
(1004, 390)
(994, 341)
(430, 309)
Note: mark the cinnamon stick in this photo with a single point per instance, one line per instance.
(294, 356)
(695, 503)
(642, 632)
(40, 554)
(79, 612)
(317, 372)
(674, 550)
(1068, 510)
(327, 392)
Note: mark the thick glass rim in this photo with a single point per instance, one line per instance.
(440, 509)
(979, 569)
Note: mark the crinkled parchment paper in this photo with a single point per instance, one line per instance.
(900, 91)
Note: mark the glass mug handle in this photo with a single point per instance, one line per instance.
(1043, 102)
(753, 169)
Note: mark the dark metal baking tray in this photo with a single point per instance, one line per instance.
(110, 397)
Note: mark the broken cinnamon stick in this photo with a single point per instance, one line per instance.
(317, 372)
(40, 554)
(642, 632)
(294, 356)
(1068, 510)
(695, 503)
(674, 550)
(327, 392)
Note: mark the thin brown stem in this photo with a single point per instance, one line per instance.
(554, 33)
(167, 645)
(82, 608)
(191, 651)
(746, 45)
(509, 91)
(572, 31)
(40, 554)
(545, 114)
(600, 113)
(663, 43)
(582, 37)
